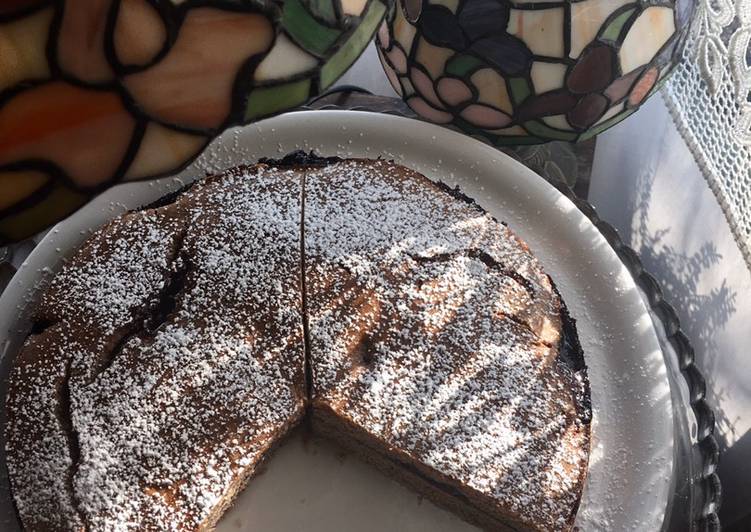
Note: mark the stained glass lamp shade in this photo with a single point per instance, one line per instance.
(95, 92)
(531, 71)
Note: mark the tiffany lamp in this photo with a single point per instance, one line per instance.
(96, 92)
(531, 71)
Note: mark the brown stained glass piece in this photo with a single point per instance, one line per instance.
(485, 117)
(618, 90)
(643, 86)
(384, 36)
(16, 186)
(22, 49)
(163, 150)
(9, 7)
(546, 104)
(139, 33)
(192, 85)
(453, 91)
(398, 59)
(84, 132)
(594, 71)
(412, 9)
(390, 74)
(80, 40)
(587, 111)
(424, 86)
(424, 109)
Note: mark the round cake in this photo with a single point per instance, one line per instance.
(181, 343)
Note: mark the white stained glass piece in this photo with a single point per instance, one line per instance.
(491, 88)
(162, 150)
(540, 29)
(409, 90)
(433, 58)
(587, 18)
(353, 7)
(283, 60)
(616, 109)
(646, 36)
(403, 31)
(557, 121)
(547, 76)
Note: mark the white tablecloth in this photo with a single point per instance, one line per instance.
(646, 183)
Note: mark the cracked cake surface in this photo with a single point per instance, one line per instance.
(168, 357)
(170, 412)
(434, 340)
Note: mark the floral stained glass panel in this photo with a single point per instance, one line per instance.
(94, 92)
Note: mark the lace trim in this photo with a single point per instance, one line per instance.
(709, 98)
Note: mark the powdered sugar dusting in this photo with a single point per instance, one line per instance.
(190, 402)
(170, 352)
(432, 349)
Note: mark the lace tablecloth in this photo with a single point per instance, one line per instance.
(709, 97)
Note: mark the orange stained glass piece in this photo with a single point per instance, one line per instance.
(192, 85)
(163, 150)
(80, 40)
(22, 49)
(643, 86)
(139, 33)
(53, 207)
(16, 186)
(84, 132)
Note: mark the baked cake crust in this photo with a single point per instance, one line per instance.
(434, 337)
(169, 355)
(174, 362)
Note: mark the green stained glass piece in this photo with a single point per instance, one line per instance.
(264, 101)
(613, 30)
(324, 9)
(519, 89)
(606, 124)
(546, 132)
(353, 47)
(463, 65)
(305, 30)
(56, 205)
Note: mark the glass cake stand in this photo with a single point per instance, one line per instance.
(696, 491)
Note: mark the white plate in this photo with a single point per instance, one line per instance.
(310, 486)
